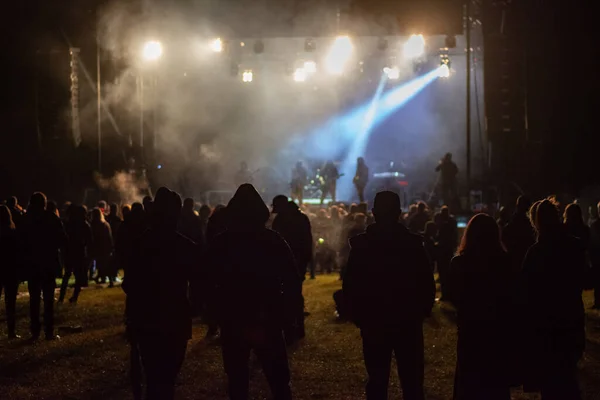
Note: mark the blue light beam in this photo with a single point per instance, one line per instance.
(379, 110)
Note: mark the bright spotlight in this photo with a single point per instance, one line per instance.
(339, 55)
(300, 75)
(247, 76)
(414, 46)
(392, 73)
(444, 71)
(310, 67)
(216, 45)
(152, 50)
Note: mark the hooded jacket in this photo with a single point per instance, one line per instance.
(251, 269)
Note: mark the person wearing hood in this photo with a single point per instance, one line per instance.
(294, 226)
(252, 279)
(158, 311)
(389, 290)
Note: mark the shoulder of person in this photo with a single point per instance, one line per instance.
(358, 241)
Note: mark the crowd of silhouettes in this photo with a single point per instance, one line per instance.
(241, 268)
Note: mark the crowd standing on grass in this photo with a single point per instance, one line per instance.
(241, 268)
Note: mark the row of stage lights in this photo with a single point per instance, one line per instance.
(335, 62)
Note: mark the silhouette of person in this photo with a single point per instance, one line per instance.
(253, 282)
(134, 224)
(430, 243)
(448, 172)
(553, 275)
(15, 210)
(299, 179)
(519, 234)
(417, 221)
(102, 246)
(361, 178)
(447, 242)
(79, 241)
(389, 290)
(294, 226)
(204, 215)
(190, 224)
(115, 221)
(9, 273)
(329, 177)
(42, 236)
(481, 285)
(159, 322)
(576, 227)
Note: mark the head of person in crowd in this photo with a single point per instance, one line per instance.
(547, 219)
(430, 230)
(52, 207)
(125, 210)
(363, 208)
(64, 211)
(97, 216)
(166, 210)
(37, 203)
(188, 206)
(280, 204)
(360, 161)
(482, 236)
(6, 222)
(353, 209)
(102, 205)
(523, 205)
(386, 208)
(322, 215)
(445, 212)
(421, 208)
(412, 210)
(247, 210)
(334, 211)
(147, 202)
(360, 221)
(12, 202)
(573, 215)
(77, 214)
(533, 211)
(137, 207)
(204, 212)
(114, 210)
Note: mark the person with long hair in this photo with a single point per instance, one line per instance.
(553, 279)
(573, 221)
(102, 246)
(9, 280)
(481, 287)
(79, 240)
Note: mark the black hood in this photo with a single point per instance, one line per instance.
(247, 208)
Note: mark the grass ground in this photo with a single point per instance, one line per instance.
(327, 365)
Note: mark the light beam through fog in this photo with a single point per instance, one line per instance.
(378, 111)
(352, 130)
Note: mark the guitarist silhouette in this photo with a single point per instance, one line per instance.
(328, 178)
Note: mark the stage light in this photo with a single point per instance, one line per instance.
(216, 45)
(414, 46)
(444, 71)
(339, 55)
(300, 75)
(247, 76)
(310, 67)
(152, 50)
(392, 73)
